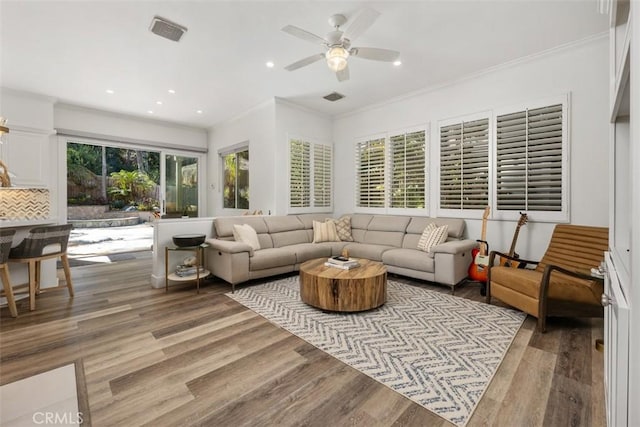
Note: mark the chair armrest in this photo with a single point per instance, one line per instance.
(454, 246)
(229, 246)
(546, 277)
(573, 273)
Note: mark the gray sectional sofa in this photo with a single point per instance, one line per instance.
(286, 242)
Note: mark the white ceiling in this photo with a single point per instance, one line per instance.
(74, 50)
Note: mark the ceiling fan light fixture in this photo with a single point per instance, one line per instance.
(337, 58)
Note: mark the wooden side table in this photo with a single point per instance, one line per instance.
(199, 252)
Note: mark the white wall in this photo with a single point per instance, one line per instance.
(294, 121)
(255, 127)
(580, 70)
(118, 126)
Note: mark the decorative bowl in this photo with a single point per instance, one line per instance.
(185, 240)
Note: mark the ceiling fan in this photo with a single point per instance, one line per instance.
(338, 44)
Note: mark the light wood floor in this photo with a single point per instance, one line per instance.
(179, 358)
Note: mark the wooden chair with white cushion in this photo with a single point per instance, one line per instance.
(43, 243)
(561, 283)
(6, 237)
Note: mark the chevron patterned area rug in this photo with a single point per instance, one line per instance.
(438, 350)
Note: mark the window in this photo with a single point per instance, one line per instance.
(529, 160)
(310, 176)
(407, 170)
(370, 157)
(518, 165)
(322, 175)
(236, 179)
(391, 171)
(464, 165)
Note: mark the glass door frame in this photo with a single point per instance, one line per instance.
(201, 186)
(162, 151)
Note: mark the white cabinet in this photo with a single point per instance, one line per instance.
(27, 153)
(622, 287)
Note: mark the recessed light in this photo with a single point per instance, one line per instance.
(199, 111)
(159, 102)
(397, 63)
(270, 64)
(110, 91)
(150, 111)
(171, 91)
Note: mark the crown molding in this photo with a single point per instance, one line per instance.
(504, 66)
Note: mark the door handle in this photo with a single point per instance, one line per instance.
(605, 300)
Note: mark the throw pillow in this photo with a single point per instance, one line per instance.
(246, 234)
(432, 236)
(343, 227)
(325, 232)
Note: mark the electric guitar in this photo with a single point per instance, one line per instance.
(479, 265)
(512, 251)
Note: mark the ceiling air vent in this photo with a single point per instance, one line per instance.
(333, 96)
(167, 29)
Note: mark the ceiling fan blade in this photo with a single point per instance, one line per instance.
(304, 62)
(303, 34)
(375, 53)
(343, 74)
(365, 18)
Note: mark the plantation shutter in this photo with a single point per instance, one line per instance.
(408, 170)
(299, 174)
(529, 159)
(370, 165)
(321, 175)
(464, 165)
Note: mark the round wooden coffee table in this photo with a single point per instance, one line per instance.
(333, 289)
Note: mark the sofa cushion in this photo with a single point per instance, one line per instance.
(418, 224)
(246, 234)
(409, 258)
(389, 223)
(224, 225)
(287, 238)
(307, 219)
(389, 238)
(277, 224)
(364, 250)
(270, 258)
(325, 232)
(306, 251)
(360, 221)
(432, 236)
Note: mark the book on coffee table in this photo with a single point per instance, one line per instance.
(342, 261)
(342, 266)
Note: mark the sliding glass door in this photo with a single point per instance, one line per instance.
(181, 185)
(128, 177)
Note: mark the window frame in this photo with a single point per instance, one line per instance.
(464, 213)
(386, 136)
(313, 142)
(562, 216)
(222, 153)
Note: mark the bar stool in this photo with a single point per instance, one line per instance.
(43, 243)
(6, 237)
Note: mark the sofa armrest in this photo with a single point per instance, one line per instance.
(454, 246)
(229, 246)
